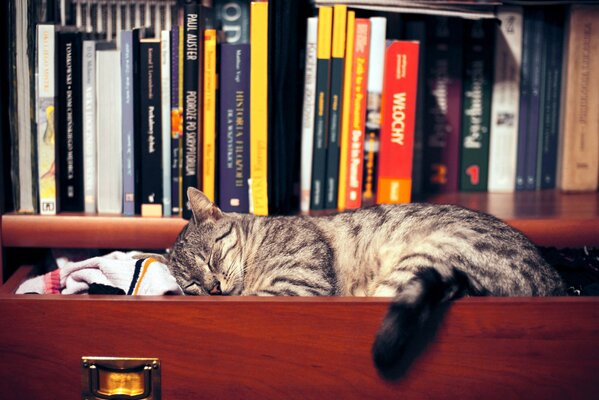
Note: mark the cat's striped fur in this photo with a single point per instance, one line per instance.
(421, 255)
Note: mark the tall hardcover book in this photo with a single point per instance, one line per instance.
(476, 103)
(209, 118)
(398, 123)
(259, 108)
(443, 104)
(530, 85)
(109, 130)
(334, 121)
(505, 100)
(308, 114)
(150, 128)
(579, 136)
(165, 110)
(69, 144)
(550, 98)
(355, 151)
(346, 109)
(177, 120)
(374, 86)
(321, 109)
(191, 98)
(45, 110)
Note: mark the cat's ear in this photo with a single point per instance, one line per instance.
(201, 206)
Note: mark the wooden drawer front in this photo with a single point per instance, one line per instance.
(280, 348)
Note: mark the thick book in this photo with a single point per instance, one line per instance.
(109, 131)
(443, 104)
(334, 119)
(69, 143)
(165, 110)
(308, 114)
(550, 98)
(176, 92)
(321, 108)
(530, 84)
(398, 123)
(191, 98)
(150, 128)
(355, 150)
(372, 141)
(209, 116)
(234, 161)
(476, 105)
(579, 136)
(346, 109)
(45, 111)
(259, 108)
(505, 101)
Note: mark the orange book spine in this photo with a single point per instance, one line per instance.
(397, 123)
(355, 152)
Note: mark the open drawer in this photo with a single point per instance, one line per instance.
(274, 348)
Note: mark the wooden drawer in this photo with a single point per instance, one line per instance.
(258, 348)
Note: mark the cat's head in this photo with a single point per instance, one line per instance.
(206, 257)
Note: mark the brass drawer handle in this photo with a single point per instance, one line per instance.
(106, 378)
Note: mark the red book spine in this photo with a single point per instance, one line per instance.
(397, 123)
(355, 152)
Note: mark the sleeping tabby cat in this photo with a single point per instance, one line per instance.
(421, 255)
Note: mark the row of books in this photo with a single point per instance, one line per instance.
(455, 105)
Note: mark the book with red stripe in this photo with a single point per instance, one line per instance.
(398, 122)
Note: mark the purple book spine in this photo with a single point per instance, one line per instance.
(234, 127)
(176, 126)
(128, 111)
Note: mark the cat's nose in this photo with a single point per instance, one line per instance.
(215, 291)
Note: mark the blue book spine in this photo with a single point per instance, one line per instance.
(128, 112)
(234, 162)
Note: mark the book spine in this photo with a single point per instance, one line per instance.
(70, 138)
(548, 135)
(191, 99)
(150, 128)
(376, 71)
(321, 109)
(176, 120)
(165, 109)
(234, 162)
(88, 77)
(234, 20)
(355, 157)
(346, 109)
(537, 70)
(46, 135)
(336, 86)
(579, 138)
(398, 123)
(308, 114)
(443, 104)
(505, 101)
(209, 119)
(259, 108)
(128, 122)
(476, 101)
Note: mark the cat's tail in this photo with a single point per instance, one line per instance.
(416, 301)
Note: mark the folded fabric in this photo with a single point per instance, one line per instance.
(144, 276)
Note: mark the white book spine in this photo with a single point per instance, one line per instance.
(46, 136)
(503, 146)
(88, 78)
(376, 63)
(308, 114)
(109, 131)
(165, 82)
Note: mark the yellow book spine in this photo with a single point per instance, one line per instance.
(259, 108)
(339, 22)
(345, 112)
(209, 153)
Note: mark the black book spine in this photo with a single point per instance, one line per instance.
(151, 132)
(135, 62)
(191, 98)
(69, 141)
